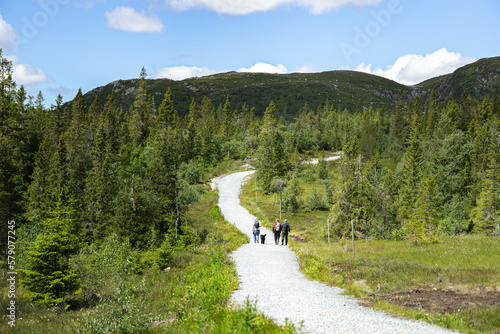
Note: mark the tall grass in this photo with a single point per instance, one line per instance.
(131, 295)
(466, 263)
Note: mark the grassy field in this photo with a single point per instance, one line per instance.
(131, 295)
(454, 283)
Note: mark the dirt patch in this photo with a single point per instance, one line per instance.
(213, 181)
(443, 301)
(297, 238)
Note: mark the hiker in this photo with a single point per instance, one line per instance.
(285, 228)
(256, 230)
(277, 231)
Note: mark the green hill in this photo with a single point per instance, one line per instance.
(345, 89)
(477, 79)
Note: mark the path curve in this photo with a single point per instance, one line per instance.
(269, 274)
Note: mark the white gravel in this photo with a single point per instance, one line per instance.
(269, 274)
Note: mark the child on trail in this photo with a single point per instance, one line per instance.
(277, 231)
(285, 228)
(256, 230)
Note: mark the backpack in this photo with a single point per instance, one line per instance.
(285, 227)
(277, 226)
(256, 224)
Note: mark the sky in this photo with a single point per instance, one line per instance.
(59, 46)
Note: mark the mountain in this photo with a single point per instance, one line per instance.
(345, 89)
(477, 79)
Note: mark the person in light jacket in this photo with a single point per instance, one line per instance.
(256, 230)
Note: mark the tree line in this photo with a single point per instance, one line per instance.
(72, 176)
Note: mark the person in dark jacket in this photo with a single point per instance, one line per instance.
(277, 231)
(285, 229)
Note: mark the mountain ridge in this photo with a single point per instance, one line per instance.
(341, 88)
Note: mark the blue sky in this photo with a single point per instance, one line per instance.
(59, 46)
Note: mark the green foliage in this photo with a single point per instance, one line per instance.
(48, 277)
(352, 197)
(322, 170)
(422, 224)
(316, 201)
(485, 216)
(191, 172)
(291, 195)
(215, 213)
(163, 255)
(272, 158)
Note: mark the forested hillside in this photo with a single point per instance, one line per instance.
(343, 89)
(72, 178)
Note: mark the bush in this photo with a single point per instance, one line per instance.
(191, 172)
(165, 253)
(125, 313)
(316, 202)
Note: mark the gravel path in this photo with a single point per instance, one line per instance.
(269, 274)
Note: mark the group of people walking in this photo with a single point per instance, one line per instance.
(279, 230)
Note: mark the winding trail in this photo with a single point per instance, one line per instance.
(269, 274)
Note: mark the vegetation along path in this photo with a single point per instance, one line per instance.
(270, 276)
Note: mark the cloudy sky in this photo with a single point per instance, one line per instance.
(58, 46)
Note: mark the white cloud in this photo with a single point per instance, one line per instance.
(8, 35)
(27, 75)
(412, 69)
(183, 72)
(265, 68)
(126, 18)
(244, 7)
(307, 69)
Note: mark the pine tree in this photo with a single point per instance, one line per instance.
(227, 126)
(191, 140)
(49, 277)
(167, 116)
(78, 143)
(272, 158)
(353, 197)
(141, 113)
(422, 224)
(208, 151)
(485, 216)
(97, 191)
(163, 175)
(413, 159)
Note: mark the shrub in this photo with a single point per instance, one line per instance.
(165, 253)
(316, 202)
(191, 172)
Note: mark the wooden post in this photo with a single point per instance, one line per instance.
(280, 205)
(328, 224)
(353, 250)
(255, 178)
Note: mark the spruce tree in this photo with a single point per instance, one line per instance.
(485, 216)
(78, 144)
(353, 197)
(271, 156)
(141, 113)
(97, 191)
(167, 116)
(422, 224)
(412, 171)
(48, 276)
